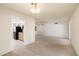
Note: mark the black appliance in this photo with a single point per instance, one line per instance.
(16, 34)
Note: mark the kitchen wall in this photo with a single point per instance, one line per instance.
(74, 31)
(5, 29)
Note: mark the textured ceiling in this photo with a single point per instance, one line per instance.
(47, 10)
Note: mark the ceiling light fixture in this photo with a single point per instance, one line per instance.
(35, 8)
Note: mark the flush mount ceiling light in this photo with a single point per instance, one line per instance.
(35, 8)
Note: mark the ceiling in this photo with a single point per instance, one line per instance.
(47, 10)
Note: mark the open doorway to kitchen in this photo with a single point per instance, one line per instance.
(17, 29)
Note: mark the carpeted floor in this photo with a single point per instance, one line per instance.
(44, 46)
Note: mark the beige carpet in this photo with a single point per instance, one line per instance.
(44, 46)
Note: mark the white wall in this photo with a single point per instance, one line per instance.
(5, 29)
(39, 28)
(74, 23)
(51, 29)
(29, 30)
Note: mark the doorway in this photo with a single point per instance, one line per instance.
(17, 30)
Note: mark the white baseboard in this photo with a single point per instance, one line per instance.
(77, 54)
(5, 51)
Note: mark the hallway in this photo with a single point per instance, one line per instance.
(44, 46)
